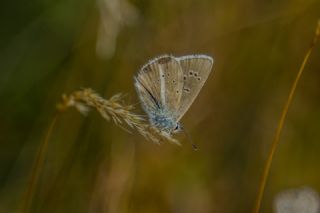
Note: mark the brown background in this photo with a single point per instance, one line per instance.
(49, 47)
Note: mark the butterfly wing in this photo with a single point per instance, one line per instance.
(159, 85)
(196, 69)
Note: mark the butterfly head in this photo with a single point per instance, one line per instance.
(177, 128)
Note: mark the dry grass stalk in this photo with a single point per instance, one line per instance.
(113, 109)
(36, 169)
(276, 139)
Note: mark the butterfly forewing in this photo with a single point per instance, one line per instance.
(196, 69)
(159, 84)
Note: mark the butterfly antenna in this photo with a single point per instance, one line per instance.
(194, 146)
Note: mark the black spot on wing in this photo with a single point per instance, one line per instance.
(147, 68)
(187, 90)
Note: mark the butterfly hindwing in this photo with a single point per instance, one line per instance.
(148, 99)
(159, 84)
(196, 69)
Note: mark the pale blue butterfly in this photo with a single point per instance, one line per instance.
(168, 85)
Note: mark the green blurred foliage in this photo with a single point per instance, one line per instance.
(48, 48)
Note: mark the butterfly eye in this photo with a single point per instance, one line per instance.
(177, 127)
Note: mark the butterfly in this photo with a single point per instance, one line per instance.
(168, 85)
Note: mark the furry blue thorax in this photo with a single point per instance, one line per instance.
(164, 120)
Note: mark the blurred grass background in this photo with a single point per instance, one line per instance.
(48, 48)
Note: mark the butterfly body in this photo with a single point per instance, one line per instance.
(168, 85)
(163, 120)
